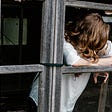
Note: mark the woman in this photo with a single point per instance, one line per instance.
(85, 43)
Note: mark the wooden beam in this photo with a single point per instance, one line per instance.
(89, 5)
(103, 96)
(11, 69)
(85, 69)
(52, 50)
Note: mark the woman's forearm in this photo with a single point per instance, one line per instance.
(102, 62)
(105, 61)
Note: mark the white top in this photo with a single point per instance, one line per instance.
(70, 54)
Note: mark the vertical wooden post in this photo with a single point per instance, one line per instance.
(103, 96)
(42, 92)
(52, 50)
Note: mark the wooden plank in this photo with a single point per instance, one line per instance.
(89, 5)
(58, 55)
(47, 29)
(59, 31)
(47, 49)
(51, 50)
(85, 69)
(42, 92)
(21, 69)
(102, 97)
(32, 0)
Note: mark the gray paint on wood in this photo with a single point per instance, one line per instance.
(47, 38)
(102, 97)
(90, 5)
(21, 69)
(85, 69)
(52, 49)
(42, 92)
(52, 32)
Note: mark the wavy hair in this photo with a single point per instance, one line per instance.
(88, 36)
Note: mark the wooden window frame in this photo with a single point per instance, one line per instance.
(84, 69)
(51, 56)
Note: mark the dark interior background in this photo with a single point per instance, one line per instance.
(15, 88)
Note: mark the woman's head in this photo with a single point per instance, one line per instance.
(88, 36)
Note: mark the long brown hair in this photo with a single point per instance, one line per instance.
(88, 36)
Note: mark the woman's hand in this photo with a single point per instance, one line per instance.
(102, 74)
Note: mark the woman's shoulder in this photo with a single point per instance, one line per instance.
(70, 54)
(108, 48)
(68, 45)
(109, 43)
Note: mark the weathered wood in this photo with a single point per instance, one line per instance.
(20, 69)
(47, 35)
(51, 49)
(85, 69)
(89, 5)
(53, 14)
(52, 32)
(42, 92)
(46, 53)
(102, 97)
(32, 0)
(58, 55)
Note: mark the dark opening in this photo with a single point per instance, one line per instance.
(19, 44)
(21, 33)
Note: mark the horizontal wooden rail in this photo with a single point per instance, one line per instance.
(21, 68)
(85, 69)
(90, 5)
(39, 68)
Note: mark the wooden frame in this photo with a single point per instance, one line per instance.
(104, 87)
(90, 5)
(51, 50)
(85, 69)
(51, 56)
(52, 37)
(12, 69)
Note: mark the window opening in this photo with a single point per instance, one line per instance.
(19, 44)
(78, 13)
(20, 32)
(91, 99)
(11, 31)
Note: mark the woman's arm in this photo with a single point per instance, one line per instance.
(72, 58)
(105, 75)
(102, 62)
